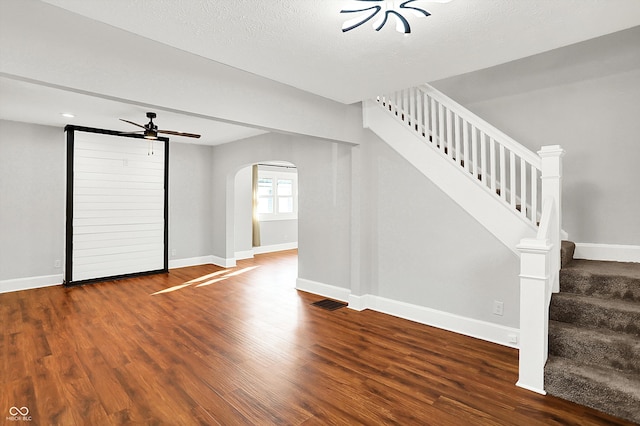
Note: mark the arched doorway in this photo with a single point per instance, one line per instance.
(271, 222)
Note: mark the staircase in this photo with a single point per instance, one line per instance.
(594, 336)
(591, 354)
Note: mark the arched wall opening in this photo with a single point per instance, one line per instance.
(324, 204)
(276, 214)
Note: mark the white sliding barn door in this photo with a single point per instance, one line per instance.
(118, 206)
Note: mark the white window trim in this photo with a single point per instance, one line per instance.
(275, 175)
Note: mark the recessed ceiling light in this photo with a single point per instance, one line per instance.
(67, 115)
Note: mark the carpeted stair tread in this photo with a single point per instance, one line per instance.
(567, 249)
(595, 346)
(620, 280)
(616, 315)
(597, 387)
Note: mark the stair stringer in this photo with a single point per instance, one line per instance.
(477, 200)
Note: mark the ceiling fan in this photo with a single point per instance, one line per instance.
(151, 129)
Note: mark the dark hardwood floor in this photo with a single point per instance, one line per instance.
(242, 346)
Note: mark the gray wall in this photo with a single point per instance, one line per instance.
(273, 232)
(32, 199)
(421, 248)
(586, 98)
(415, 245)
(243, 211)
(190, 190)
(323, 209)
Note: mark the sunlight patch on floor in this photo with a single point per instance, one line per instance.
(206, 278)
(212, 281)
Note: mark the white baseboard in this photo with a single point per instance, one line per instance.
(531, 388)
(30, 283)
(326, 290)
(191, 261)
(245, 254)
(495, 333)
(360, 303)
(275, 247)
(611, 252)
(225, 263)
(483, 330)
(230, 263)
(202, 260)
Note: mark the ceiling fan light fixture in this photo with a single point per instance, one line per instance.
(150, 134)
(151, 131)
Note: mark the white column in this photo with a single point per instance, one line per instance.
(534, 312)
(551, 170)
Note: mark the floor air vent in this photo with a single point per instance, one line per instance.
(329, 305)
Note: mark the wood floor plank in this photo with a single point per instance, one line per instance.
(207, 345)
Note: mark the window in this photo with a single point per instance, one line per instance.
(277, 195)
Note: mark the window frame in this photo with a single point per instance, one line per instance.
(276, 175)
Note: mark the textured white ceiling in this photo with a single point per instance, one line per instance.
(300, 42)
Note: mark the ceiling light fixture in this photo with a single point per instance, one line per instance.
(67, 115)
(385, 8)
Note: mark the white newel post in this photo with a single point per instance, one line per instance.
(551, 171)
(534, 312)
(539, 274)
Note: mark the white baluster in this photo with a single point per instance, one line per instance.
(534, 195)
(503, 174)
(492, 163)
(512, 180)
(474, 150)
(465, 143)
(427, 126)
(411, 117)
(449, 118)
(483, 157)
(523, 186)
(441, 126)
(419, 112)
(405, 105)
(434, 123)
(457, 139)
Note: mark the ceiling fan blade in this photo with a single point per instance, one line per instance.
(171, 132)
(131, 122)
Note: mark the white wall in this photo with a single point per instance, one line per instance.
(584, 98)
(32, 202)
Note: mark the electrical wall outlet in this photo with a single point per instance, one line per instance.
(513, 339)
(57, 263)
(173, 252)
(498, 307)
